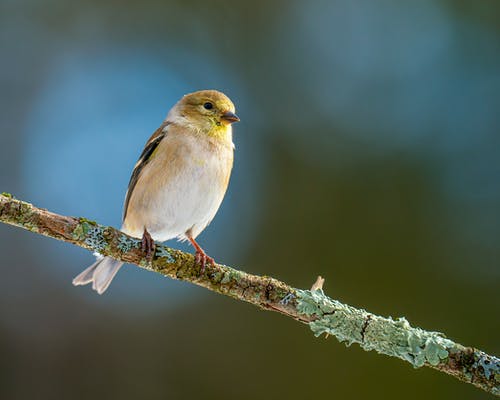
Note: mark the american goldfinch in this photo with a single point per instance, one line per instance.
(179, 181)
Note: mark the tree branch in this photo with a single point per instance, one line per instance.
(323, 315)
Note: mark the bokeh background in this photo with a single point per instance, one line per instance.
(368, 152)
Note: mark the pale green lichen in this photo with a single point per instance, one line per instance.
(397, 338)
(164, 252)
(229, 276)
(315, 302)
(80, 232)
(384, 335)
(85, 225)
(436, 349)
(491, 367)
(91, 233)
(94, 238)
(125, 243)
(226, 279)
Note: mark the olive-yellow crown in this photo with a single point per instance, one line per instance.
(207, 110)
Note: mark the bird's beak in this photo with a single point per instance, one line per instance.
(230, 117)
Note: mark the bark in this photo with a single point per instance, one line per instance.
(393, 337)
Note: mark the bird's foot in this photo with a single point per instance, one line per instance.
(148, 245)
(203, 259)
(200, 257)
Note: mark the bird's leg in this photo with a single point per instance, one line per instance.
(200, 256)
(148, 245)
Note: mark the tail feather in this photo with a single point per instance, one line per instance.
(101, 273)
(86, 276)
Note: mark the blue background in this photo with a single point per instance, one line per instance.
(368, 152)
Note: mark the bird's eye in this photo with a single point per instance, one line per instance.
(208, 105)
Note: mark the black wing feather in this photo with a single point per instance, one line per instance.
(149, 149)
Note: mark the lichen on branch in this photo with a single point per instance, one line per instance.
(393, 337)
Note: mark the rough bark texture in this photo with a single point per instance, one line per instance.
(323, 314)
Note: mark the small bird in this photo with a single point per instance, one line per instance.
(179, 181)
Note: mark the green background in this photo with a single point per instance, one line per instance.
(368, 152)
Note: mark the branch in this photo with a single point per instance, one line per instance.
(323, 315)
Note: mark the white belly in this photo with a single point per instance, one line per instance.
(189, 202)
(192, 184)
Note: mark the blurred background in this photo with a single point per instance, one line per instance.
(368, 152)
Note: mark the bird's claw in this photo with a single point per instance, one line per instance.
(148, 245)
(203, 259)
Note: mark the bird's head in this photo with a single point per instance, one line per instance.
(210, 112)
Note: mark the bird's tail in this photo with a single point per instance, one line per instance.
(101, 273)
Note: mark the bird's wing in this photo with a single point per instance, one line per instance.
(147, 154)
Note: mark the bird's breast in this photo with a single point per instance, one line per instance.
(181, 188)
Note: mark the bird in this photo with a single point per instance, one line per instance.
(178, 183)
